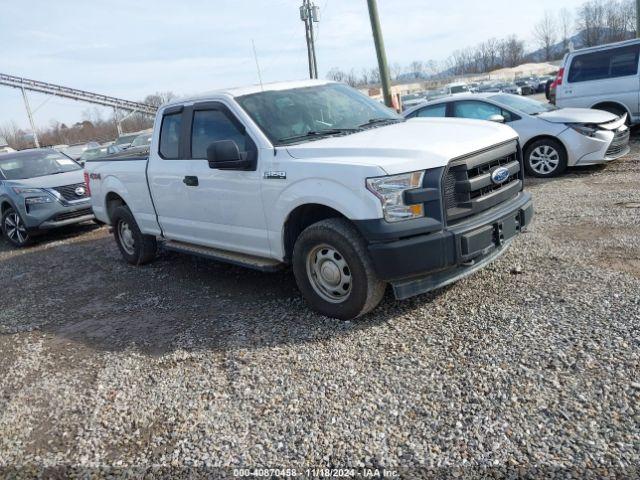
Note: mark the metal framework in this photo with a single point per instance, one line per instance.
(80, 95)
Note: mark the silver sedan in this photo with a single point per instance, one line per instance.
(552, 138)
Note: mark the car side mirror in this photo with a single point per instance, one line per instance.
(225, 155)
(496, 118)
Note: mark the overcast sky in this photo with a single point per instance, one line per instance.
(129, 48)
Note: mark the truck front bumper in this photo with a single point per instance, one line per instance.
(423, 262)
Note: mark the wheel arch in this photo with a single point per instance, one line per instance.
(300, 218)
(545, 137)
(613, 104)
(112, 201)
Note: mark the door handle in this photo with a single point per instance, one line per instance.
(190, 181)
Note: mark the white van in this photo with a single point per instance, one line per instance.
(603, 77)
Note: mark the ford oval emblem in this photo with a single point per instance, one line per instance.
(500, 175)
(80, 191)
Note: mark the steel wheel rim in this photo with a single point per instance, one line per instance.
(329, 274)
(126, 237)
(544, 159)
(15, 229)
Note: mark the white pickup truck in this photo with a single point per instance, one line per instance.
(320, 177)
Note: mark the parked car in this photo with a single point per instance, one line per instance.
(509, 88)
(604, 77)
(4, 146)
(97, 152)
(319, 176)
(457, 87)
(525, 87)
(142, 140)
(552, 138)
(125, 140)
(75, 151)
(40, 189)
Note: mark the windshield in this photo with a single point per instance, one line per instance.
(287, 116)
(124, 139)
(142, 140)
(459, 89)
(38, 163)
(524, 105)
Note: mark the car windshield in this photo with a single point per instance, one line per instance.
(308, 113)
(141, 140)
(93, 153)
(459, 89)
(124, 139)
(39, 163)
(524, 105)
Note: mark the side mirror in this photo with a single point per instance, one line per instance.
(496, 118)
(225, 154)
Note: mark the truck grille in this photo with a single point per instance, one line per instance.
(68, 192)
(75, 214)
(467, 183)
(619, 144)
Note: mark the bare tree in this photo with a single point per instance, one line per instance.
(158, 98)
(545, 32)
(566, 27)
(591, 22)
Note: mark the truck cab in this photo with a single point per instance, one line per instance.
(317, 176)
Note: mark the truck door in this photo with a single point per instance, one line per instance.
(218, 208)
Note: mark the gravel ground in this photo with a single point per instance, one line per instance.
(531, 365)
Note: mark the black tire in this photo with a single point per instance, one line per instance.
(14, 229)
(330, 246)
(135, 247)
(545, 158)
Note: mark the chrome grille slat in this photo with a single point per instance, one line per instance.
(468, 188)
(619, 143)
(68, 192)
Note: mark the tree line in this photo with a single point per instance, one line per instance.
(92, 127)
(595, 22)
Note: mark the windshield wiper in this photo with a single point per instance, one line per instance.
(319, 133)
(378, 121)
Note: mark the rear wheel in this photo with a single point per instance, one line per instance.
(334, 272)
(135, 247)
(545, 158)
(14, 228)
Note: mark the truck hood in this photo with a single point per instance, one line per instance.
(578, 115)
(50, 181)
(418, 143)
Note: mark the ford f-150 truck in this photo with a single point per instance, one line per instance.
(320, 177)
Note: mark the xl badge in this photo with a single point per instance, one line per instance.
(500, 175)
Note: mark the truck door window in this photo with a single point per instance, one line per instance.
(170, 135)
(618, 62)
(211, 126)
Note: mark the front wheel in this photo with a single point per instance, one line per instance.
(545, 158)
(135, 247)
(334, 272)
(14, 228)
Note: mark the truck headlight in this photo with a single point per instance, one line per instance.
(389, 191)
(583, 129)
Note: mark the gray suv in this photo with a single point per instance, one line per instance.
(40, 189)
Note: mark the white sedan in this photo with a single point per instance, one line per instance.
(552, 138)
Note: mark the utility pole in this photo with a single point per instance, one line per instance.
(637, 18)
(310, 14)
(382, 56)
(33, 125)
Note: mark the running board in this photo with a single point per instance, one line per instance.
(242, 259)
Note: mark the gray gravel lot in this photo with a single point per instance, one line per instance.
(533, 362)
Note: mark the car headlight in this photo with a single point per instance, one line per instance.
(390, 190)
(26, 191)
(583, 129)
(37, 200)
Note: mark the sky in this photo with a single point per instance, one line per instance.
(132, 48)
